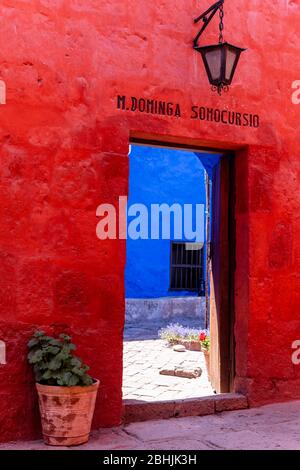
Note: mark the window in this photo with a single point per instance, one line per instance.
(187, 267)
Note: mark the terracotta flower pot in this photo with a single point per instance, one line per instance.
(189, 345)
(66, 413)
(192, 345)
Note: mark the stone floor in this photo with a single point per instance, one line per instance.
(269, 427)
(141, 378)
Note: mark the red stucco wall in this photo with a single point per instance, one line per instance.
(64, 151)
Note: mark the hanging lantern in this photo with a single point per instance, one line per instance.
(220, 60)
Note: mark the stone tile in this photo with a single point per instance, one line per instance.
(179, 444)
(165, 429)
(251, 440)
(111, 441)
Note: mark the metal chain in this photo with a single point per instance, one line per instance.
(221, 27)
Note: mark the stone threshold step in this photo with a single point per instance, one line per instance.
(137, 411)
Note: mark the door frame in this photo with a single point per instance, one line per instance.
(222, 274)
(222, 357)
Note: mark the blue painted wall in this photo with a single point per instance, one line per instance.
(159, 176)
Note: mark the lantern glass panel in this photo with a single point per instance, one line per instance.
(230, 62)
(213, 59)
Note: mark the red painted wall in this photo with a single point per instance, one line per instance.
(64, 150)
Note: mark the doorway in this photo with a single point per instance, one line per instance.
(179, 286)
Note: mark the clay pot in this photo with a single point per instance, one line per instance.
(191, 345)
(194, 346)
(66, 413)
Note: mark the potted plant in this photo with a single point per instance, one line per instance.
(67, 394)
(178, 334)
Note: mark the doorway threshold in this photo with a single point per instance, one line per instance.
(138, 410)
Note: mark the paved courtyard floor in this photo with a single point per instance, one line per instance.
(142, 380)
(269, 427)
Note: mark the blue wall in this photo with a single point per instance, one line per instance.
(159, 176)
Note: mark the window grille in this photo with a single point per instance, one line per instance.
(187, 267)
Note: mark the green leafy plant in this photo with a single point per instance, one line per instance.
(205, 344)
(204, 339)
(54, 363)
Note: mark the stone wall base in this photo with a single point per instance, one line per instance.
(166, 308)
(135, 411)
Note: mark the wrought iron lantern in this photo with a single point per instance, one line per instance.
(220, 60)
